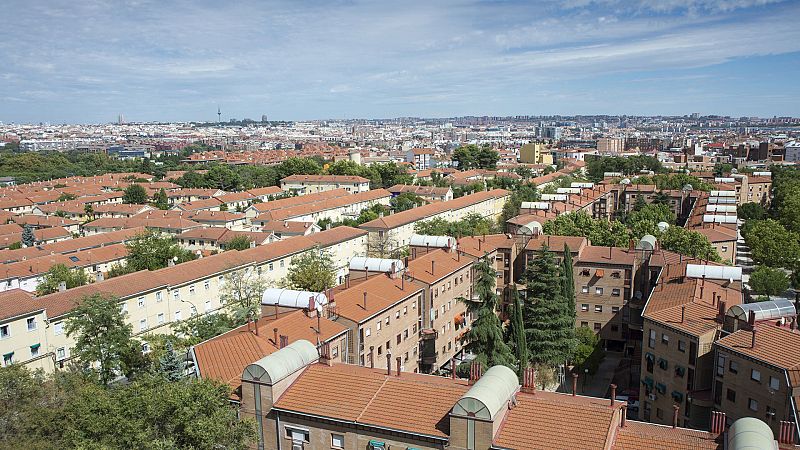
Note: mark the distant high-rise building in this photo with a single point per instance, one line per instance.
(264, 118)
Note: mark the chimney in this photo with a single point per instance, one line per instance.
(624, 415)
(717, 422)
(62, 286)
(753, 339)
(252, 244)
(365, 300)
(393, 270)
(99, 276)
(433, 264)
(312, 307)
(751, 319)
(721, 310)
(675, 409)
(786, 433)
(631, 245)
(388, 363)
(529, 380)
(397, 362)
(275, 336)
(613, 394)
(371, 356)
(683, 313)
(284, 341)
(574, 384)
(347, 281)
(475, 372)
(366, 272)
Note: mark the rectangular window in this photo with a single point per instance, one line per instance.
(337, 441)
(142, 324)
(177, 315)
(774, 383)
(730, 394)
(191, 289)
(297, 434)
(35, 350)
(651, 342)
(585, 307)
(585, 324)
(58, 328)
(752, 405)
(160, 318)
(598, 291)
(755, 375)
(721, 365)
(733, 367)
(158, 296)
(368, 332)
(598, 308)
(8, 359)
(176, 294)
(140, 302)
(379, 325)
(682, 346)
(31, 323)
(596, 326)
(615, 292)
(61, 353)
(4, 333)
(664, 338)
(585, 289)
(208, 305)
(207, 285)
(615, 309)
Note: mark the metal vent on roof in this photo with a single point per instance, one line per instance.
(713, 272)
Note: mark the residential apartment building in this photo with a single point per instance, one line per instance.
(309, 184)
(420, 158)
(429, 193)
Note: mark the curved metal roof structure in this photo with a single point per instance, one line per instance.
(749, 433)
(714, 272)
(531, 228)
(581, 185)
(489, 395)
(421, 240)
(279, 365)
(722, 193)
(769, 310)
(535, 205)
(293, 299)
(722, 200)
(647, 242)
(555, 197)
(569, 190)
(376, 264)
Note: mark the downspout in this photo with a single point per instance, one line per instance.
(791, 402)
(278, 428)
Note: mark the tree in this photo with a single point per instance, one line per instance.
(170, 366)
(312, 271)
(549, 319)
(689, 243)
(243, 290)
(517, 342)
(152, 251)
(222, 177)
(485, 338)
(204, 327)
(568, 277)
(135, 194)
(302, 166)
(771, 244)
(645, 220)
(464, 157)
(58, 274)
(66, 196)
(768, 281)
(28, 238)
(599, 232)
(471, 225)
(88, 209)
(588, 342)
(751, 211)
(161, 200)
(101, 334)
(238, 242)
(524, 193)
(406, 201)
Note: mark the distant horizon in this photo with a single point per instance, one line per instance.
(177, 60)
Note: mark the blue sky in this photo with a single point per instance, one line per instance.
(89, 60)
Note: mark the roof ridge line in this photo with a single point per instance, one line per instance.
(385, 380)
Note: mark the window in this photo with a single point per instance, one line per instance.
(271, 266)
(207, 285)
(368, 332)
(160, 318)
(399, 338)
(752, 405)
(397, 314)
(615, 292)
(31, 323)
(585, 289)
(598, 291)
(380, 349)
(177, 315)
(175, 294)
(664, 339)
(379, 325)
(405, 310)
(8, 359)
(721, 365)
(730, 394)
(682, 346)
(615, 274)
(598, 308)
(158, 296)
(297, 434)
(140, 302)
(191, 289)
(142, 324)
(651, 342)
(585, 307)
(58, 328)
(774, 383)
(596, 326)
(208, 305)
(35, 350)
(724, 248)
(659, 413)
(585, 324)
(755, 375)
(337, 441)
(615, 309)
(585, 272)
(61, 353)
(733, 367)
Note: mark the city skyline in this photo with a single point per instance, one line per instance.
(176, 61)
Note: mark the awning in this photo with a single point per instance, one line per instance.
(599, 273)
(35, 346)
(373, 444)
(8, 355)
(647, 381)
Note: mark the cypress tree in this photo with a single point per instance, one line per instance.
(569, 279)
(549, 322)
(518, 333)
(485, 338)
(169, 365)
(28, 239)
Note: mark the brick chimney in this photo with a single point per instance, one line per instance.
(751, 319)
(311, 311)
(786, 434)
(433, 265)
(388, 363)
(255, 325)
(529, 380)
(574, 384)
(475, 372)
(275, 336)
(397, 362)
(284, 341)
(364, 305)
(613, 394)
(753, 339)
(371, 356)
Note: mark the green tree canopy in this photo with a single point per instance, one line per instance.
(524, 193)
(161, 200)
(768, 281)
(406, 201)
(751, 211)
(771, 243)
(61, 273)
(28, 238)
(238, 242)
(312, 271)
(152, 251)
(599, 232)
(472, 156)
(549, 318)
(101, 335)
(471, 225)
(689, 243)
(135, 194)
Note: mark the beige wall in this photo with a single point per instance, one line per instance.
(616, 292)
(401, 319)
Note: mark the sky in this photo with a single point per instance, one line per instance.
(88, 61)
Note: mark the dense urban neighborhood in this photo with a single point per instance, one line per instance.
(467, 283)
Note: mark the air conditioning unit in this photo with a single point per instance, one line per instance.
(651, 397)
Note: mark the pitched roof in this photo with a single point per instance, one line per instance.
(324, 179)
(642, 436)
(16, 302)
(382, 293)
